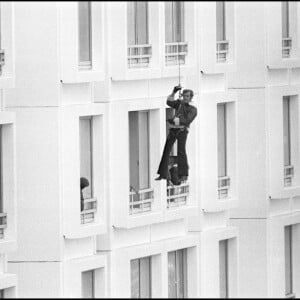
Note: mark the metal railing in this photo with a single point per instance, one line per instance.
(139, 56)
(176, 53)
(140, 201)
(85, 65)
(288, 175)
(223, 187)
(89, 210)
(222, 51)
(177, 195)
(286, 47)
(3, 224)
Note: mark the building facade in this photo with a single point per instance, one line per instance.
(83, 95)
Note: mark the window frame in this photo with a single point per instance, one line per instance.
(226, 269)
(86, 65)
(140, 270)
(93, 285)
(182, 277)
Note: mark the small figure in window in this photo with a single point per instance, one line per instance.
(179, 127)
(83, 184)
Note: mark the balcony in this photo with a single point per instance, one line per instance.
(3, 224)
(140, 201)
(177, 195)
(175, 53)
(222, 51)
(288, 175)
(286, 47)
(223, 187)
(139, 56)
(89, 210)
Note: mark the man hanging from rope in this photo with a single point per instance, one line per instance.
(179, 127)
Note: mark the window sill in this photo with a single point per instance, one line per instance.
(172, 71)
(220, 68)
(180, 212)
(284, 63)
(84, 75)
(221, 205)
(138, 74)
(286, 192)
(85, 230)
(139, 220)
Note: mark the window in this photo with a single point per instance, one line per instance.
(222, 43)
(285, 22)
(88, 284)
(3, 215)
(223, 179)
(288, 253)
(141, 194)
(2, 52)
(88, 202)
(139, 50)
(177, 273)
(1, 171)
(85, 34)
(176, 47)
(141, 278)
(223, 268)
(288, 168)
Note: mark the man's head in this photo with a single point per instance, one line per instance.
(187, 95)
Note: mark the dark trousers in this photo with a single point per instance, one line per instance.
(181, 136)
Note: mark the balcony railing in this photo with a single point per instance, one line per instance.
(177, 195)
(140, 201)
(3, 224)
(2, 59)
(223, 187)
(139, 56)
(288, 175)
(176, 53)
(286, 47)
(222, 51)
(89, 210)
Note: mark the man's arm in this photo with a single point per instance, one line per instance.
(171, 98)
(189, 118)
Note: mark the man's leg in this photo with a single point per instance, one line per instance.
(163, 166)
(181, 156)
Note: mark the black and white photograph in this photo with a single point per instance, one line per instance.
(149, 149)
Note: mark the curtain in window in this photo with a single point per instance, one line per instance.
(88, 284)
(139, 150)
(223, 267)
(137, 23)
(86, 154)
(141, 278)
(286, 131)
(222, 155)
(174, 21)
(285, 18)
(177, 270)
(85, 34)
(221, 22)
(288, 260)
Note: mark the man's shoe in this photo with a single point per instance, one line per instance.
(159, 178)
